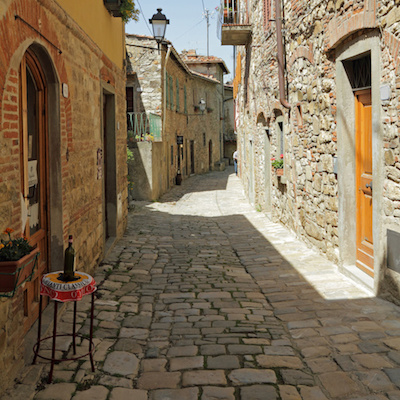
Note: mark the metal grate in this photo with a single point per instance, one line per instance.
(359, 72)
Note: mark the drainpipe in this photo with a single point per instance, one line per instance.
(165, 86)
(281, 64)
(164, 109)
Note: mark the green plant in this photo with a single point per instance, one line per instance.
(128, 11)
(129, 155)
(13, 249)
(277, 164)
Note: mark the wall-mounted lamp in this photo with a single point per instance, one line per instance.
(202, 105)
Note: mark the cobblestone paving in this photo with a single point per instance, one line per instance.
(206, 299)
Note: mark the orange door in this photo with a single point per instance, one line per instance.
(34, 174)
(365, 249)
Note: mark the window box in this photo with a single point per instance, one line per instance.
(14, 273)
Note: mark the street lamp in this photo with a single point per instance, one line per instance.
(159, 23)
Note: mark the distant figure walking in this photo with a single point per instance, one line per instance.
(235, 161)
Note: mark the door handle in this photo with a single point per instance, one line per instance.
(369, 185)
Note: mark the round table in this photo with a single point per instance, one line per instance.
(54, 287)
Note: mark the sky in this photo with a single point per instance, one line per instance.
(187, 27)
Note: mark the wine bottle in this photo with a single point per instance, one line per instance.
(69, 261)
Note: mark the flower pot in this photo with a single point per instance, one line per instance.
(14, 273)
(279, 172)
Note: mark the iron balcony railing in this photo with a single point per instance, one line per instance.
(232, 12)
(144, 126)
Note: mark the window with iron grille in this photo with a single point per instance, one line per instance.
(359, 72)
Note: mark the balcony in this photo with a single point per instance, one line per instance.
(143, 127)
(234, 28)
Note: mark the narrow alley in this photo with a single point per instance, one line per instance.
(205, 298)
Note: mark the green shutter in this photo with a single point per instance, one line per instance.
(177, 94)
(167, 89)
(171, 91)
(185, 99)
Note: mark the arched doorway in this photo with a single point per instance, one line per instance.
(34, 182)
(40, 169)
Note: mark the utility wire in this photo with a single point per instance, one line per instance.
(183, 34)
(203, 5)
(144, 18)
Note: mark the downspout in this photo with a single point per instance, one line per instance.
(165, 89)
(164, 110)
(281, 64)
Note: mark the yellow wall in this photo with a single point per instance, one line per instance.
(106, 31)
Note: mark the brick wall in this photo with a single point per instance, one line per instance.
(86, 71)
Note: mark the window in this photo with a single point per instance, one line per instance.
(280, 139)
(129, 99)
(204, 138)
(172, 155)
(299, 116)
(359, 72)
(177, 94)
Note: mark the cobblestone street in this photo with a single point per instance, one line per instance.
(206, 299)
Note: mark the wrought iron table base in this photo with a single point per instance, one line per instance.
(53, 360)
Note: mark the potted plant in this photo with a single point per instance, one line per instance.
(277, 165)
(17, 262)
(124, 9)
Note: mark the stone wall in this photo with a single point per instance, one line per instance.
(311, 196)
(75, 148)
(144, 73)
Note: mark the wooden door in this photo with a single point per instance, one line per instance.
(34, 174)
(210, 149)
(364, 185)
(192, 156)
(104, 154)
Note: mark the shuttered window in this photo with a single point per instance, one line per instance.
(267, 15)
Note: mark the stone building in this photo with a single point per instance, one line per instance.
(169, 135)
(62, 145)
(229, 124)
(214, 67)
(318, 83)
